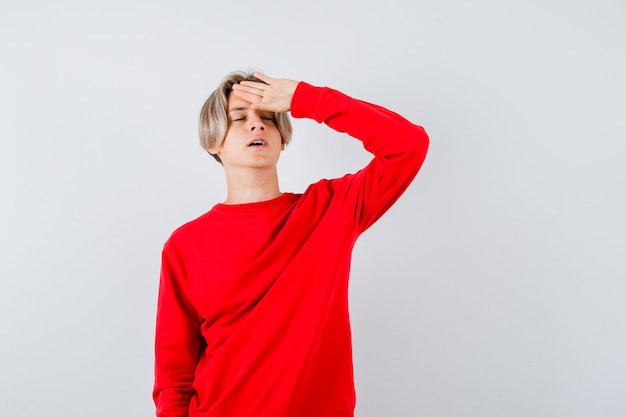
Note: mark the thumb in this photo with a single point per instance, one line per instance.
(269, 106)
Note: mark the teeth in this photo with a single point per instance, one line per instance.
(257, 142)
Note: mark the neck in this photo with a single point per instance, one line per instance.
(251, 186)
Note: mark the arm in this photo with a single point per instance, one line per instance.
(177, 343)
(399, 147)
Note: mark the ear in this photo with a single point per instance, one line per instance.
(215, 150)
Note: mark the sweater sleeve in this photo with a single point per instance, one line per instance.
(399, 148)
(177, 343)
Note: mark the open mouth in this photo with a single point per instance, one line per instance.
(257, 142)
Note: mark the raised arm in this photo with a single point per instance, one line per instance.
(399, 147)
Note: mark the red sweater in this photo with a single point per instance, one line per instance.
(252, 315)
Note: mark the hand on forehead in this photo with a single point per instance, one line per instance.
(270, 95)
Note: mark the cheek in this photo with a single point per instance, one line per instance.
(231, 135)
(276, 132)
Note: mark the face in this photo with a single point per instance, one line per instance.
(252, 139)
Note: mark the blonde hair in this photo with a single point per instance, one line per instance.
(214, 117)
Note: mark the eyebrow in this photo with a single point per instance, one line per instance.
(264, 112)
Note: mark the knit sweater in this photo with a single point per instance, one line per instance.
(252, 316)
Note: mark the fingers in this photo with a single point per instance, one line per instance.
(247, 96)
(254, 84)
(265, 78)
(257, 85)
(249, 88)
(250, 91)
(271, 94)
(256, 101)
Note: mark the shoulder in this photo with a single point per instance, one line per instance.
(327, 190)
(190, 230)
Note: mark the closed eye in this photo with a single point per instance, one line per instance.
(267, 116)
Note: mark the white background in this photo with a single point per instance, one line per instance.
(494, 287)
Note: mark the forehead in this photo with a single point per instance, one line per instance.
(236, 103)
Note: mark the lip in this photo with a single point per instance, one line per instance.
(258, 138)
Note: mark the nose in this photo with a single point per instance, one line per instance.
(256, 122)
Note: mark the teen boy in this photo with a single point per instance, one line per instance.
(252, 317)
